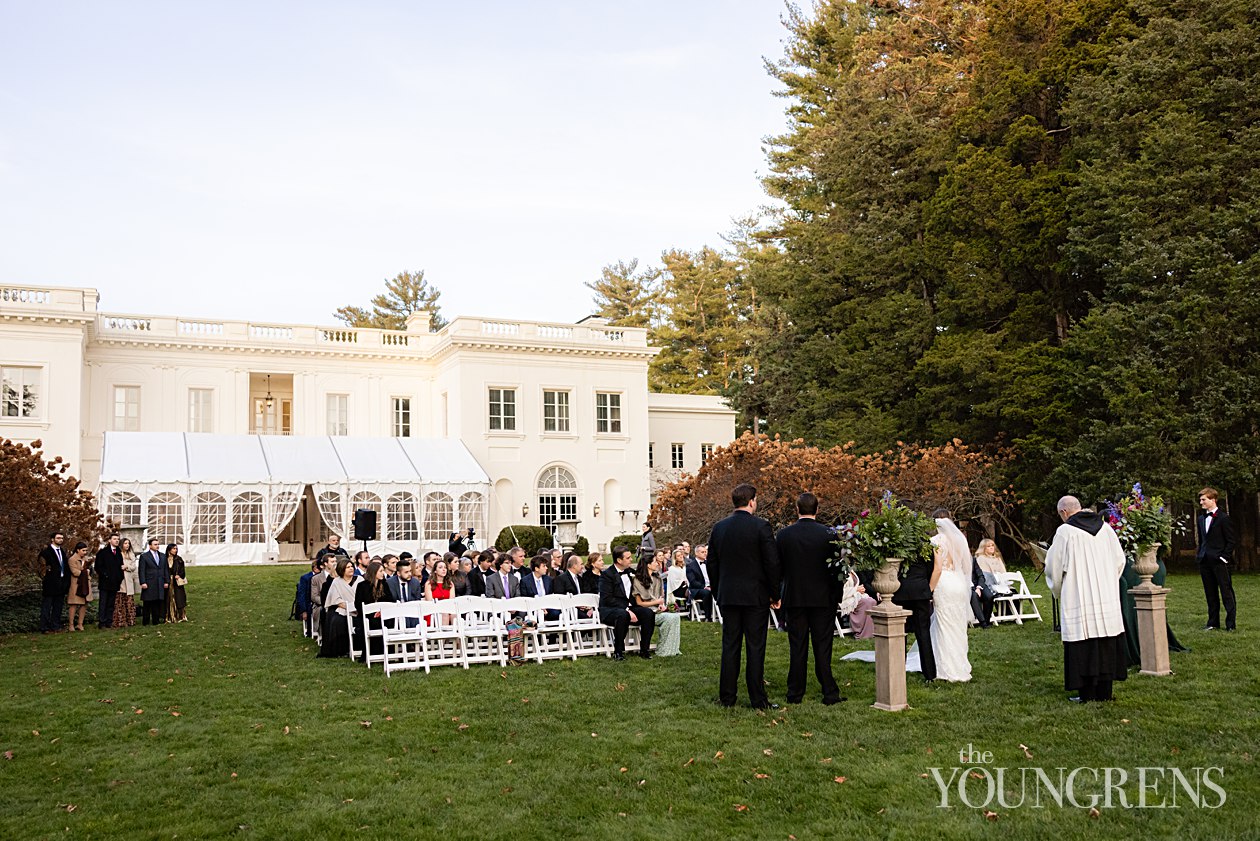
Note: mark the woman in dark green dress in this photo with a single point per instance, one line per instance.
(1129, 608)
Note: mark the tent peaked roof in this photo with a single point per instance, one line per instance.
(190, 457)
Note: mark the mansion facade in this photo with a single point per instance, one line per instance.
(249, 441)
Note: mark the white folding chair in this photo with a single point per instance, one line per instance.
(441, 640)
(401, 642)
(552, 636)
(590, 635)
(1021, 604)
(356, 638)
(482, 628)
(524, 606)
(370, 633)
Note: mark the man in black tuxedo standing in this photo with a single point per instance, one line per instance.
(154, 583)
(809, 598)
(56, 583)
(109, 576)
(915, 595)
(617, 610)
(1216, 555)
(744, 573)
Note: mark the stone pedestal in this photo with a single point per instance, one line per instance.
(1152, 628)
(890, 656)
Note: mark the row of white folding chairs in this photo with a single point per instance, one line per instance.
(473, 629)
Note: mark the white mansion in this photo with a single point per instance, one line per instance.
(248, 441)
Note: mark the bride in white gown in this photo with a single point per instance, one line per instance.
(951, 602)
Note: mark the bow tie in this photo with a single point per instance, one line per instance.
(1212, 514)
(626, 572)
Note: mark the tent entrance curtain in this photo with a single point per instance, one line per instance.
(282, 507)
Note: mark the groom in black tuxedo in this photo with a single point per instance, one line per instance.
(1216, 557)
(744, 571)
(915, 595)
(809, 598)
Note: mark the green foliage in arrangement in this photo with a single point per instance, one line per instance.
(892, 530)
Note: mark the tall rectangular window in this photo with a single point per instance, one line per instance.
(607, 412)
(502, 410)
(200, 410)
(338, 414)
(555, 411)
(19, 392)
(651, 454)
(126, 408)
(676, 456)
(402, 417)
(706, 453)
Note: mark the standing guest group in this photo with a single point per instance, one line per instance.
(110, 578)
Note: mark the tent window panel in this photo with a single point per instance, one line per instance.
(209, 523)
(284, 508)
(248, 522)
(166, 518)
(472, 512)
(439, 516)
(329, 504)
(124, 509)
(400, 518)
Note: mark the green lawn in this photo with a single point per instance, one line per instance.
(228, 725)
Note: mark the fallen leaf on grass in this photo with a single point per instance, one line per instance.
(691, 761)
(70, 807)
(841, 779)
(286, 730)
(509, 762)
(348, 800)
(924, 776)
(642, 782)
(1027, 752)
(990, 816)
(718, 755)
(1093, 812)
(1124, 721)
(141, 712)
(762, 776)
(740, 807)
(503, 675)
(387, 718)
(153, 731)
(234, 775)
(827, 759)
(104, 700)
(34, 732)
(976, 776)
(506, 789)
(594, 735)
(808, 735)
(768, 752)
(462, 727)
(365, 724)
(624, 769)
(177, 714)
(620, 687)
(8, 754)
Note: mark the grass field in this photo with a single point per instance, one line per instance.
(229, 726)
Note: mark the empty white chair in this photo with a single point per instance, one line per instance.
(1021, 604)
(441, 640)
(590, 635)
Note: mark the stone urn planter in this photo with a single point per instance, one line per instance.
(890, 640)
(1147, 564)
(886, 581)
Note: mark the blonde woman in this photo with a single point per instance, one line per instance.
(125, 604)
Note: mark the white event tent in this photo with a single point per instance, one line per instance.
(227, 498)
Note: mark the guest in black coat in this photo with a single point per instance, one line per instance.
(616, 609)
(569, 582)
(477, 576)
(915, 595)
(745, 576)
(154, 583)
(371, 589)
(809, 599)
(109, 579)
(594, 569)
(1216, 539)
(56, 583)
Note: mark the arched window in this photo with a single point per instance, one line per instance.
(209, 524)
(166, 518)
(248, 518)
(330, 522)
(124, 509)
(472, 513)
(400, 517)
(439, 516)
(557, 496)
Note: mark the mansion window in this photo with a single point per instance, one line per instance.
(502, 410)
(200, 409)
(555, 411)
(126, 408)
(402, 417)
(557, 496)
(676, 456)
(706, 453)
(19, 392)
(607, 413)
(338, 414)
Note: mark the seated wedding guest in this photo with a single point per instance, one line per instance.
(648, 592)
(390, 563)
(403, 586)
(594, 569)
(698, 581)
(80, 585)
(417, 567)
(676, 586)
(990, 569)
(125, 605)
(556, 565)
(370, 590)
(176, 595)
(477, 575)
(302, 599)
(333, 548)
(153, 584)
(538, 583)
(439, 585)
(459, 576)
(338, 604)
(517, 556)
(569, 582)
(617, 609)
(1083, 569)
(857, 605)
(323, 572)
(503, 584)
(361, 561)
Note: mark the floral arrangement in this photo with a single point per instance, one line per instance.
(1140, 522)
(892, 531)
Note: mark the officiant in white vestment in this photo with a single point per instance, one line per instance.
(1083, 569)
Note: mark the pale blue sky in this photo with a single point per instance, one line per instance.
(275, 160)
